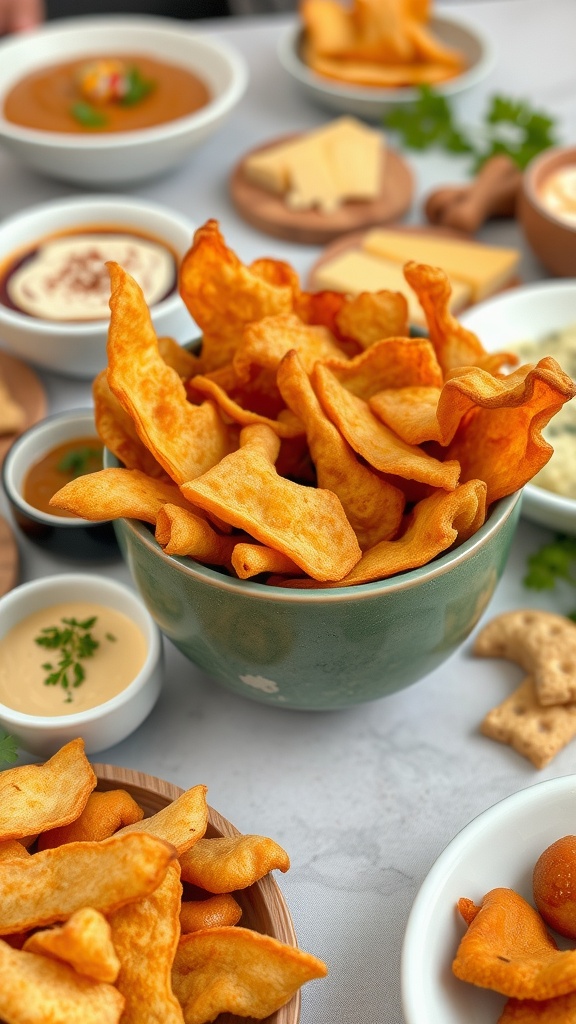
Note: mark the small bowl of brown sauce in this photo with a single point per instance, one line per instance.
(43, 459)
(80, 655)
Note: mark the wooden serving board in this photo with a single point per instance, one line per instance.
(9, 559)
(26, 389)
(270, 214)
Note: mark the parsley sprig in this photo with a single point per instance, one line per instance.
(553, 563)
(138, 87)
(87, 115)
(8, 748)
(75, 643)
(510, 127)
(81, 460)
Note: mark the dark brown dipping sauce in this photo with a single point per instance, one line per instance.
(44, 98)
(60, 465)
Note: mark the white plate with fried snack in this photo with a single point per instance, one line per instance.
(497, 849)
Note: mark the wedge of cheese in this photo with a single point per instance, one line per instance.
(485, 269)
(322, 169)
(355, 271)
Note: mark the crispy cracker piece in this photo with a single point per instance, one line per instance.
(118, 433)
(12, 849)
(84, 942)
(370, 316)
(179, 358)
(35, 797)
(51, 885)
(36, 990)
(239, 971)
(540, 642)
(182, 532)
(103, 815)
(507, 948)
(266, 342)
(215, 912)
(182, 823)
(238, 414)
(561, 1010)
(145, 935)
(252, 559)
(117, 493)
(392, 363)
(230, 863)
(536, 732)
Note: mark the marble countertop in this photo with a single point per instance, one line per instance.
(365, 799)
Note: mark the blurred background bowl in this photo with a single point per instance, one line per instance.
(530, 313)
(551, 238)
(320, 649)
(372, 103)
(78, 348)
(120, 158)
(69, 538)
(108, 723)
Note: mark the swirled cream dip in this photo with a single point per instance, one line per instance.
(66, 278)
(559, 474)
(558, 193)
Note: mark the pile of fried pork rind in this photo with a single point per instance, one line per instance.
(312, 443)
(93, 926)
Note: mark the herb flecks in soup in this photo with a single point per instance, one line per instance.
(64, 277)
(104, 94)
(61, 464)
(69, 658)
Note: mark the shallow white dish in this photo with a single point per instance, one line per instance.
(120, 157)
(499, 848)
(108, 723)
(517, 315)
(78, 348)
(362, 101)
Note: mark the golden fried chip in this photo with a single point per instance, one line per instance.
(36, 990)
(239, 971)
(307, 524)
(182, 532)
(372, 505)
(182, 823)
(266, 342)
(185, 439)
(118, 433)
(371, 316)
(240, 415)
(410, 412)
(84, 942)
(561, 1010)
(145, 936)
(507, 948)
(390, 363)
(252, 559)
(51, 885)
(12, 848)
(232, 862)
(36, 797)
(186, 363)
(117, 493)
(102, 816)
(216, 912)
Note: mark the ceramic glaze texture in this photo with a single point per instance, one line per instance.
(320, 650)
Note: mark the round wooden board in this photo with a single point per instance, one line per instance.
(26, 389)
(9, 559)
(263, 906)
(270, 214)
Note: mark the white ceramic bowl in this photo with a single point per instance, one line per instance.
(78, 348)
(370, 103)
(120, 158)
(108, 723)
(522, 314)
(499, 848)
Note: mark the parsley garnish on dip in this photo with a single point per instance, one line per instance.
(68, 658)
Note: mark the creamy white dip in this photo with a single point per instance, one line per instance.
(559, 474)
(66, 278)
(558, 193)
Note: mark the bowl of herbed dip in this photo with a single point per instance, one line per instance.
(80, 655)
(535, 321)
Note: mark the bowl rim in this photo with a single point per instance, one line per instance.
(118, 205)
(288, 54)
(77, 27)
(532, 174)
(50, 723)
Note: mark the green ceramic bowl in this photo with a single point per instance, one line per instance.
(320, 649)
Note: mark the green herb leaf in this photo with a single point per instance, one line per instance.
(87, 115)
(553, 563)
(138, 87)
(8, 748)
(81, 460)
(75, 643)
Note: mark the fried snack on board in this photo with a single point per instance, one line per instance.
(235, 862)
(102, 816)
(84, 942)
(214, 912)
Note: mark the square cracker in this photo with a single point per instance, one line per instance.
(536, 732)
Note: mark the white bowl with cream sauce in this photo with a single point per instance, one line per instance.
(538, 320)
(122, 677)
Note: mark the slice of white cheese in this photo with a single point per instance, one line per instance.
(485, 268)
(355, 271)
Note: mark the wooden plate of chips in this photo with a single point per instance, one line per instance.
(263, 906)
(27, 390)
(270, 214)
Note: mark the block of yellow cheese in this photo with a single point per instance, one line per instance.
(485, 269)
(323, 168)
(355, 271)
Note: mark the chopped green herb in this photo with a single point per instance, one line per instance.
(111, 637)
(510, 127)
(553, 563)
(8, 748)
(81, 460)
(138, 87)
(76, 643)
(87, 115)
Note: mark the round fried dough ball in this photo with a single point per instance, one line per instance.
(555, 886)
